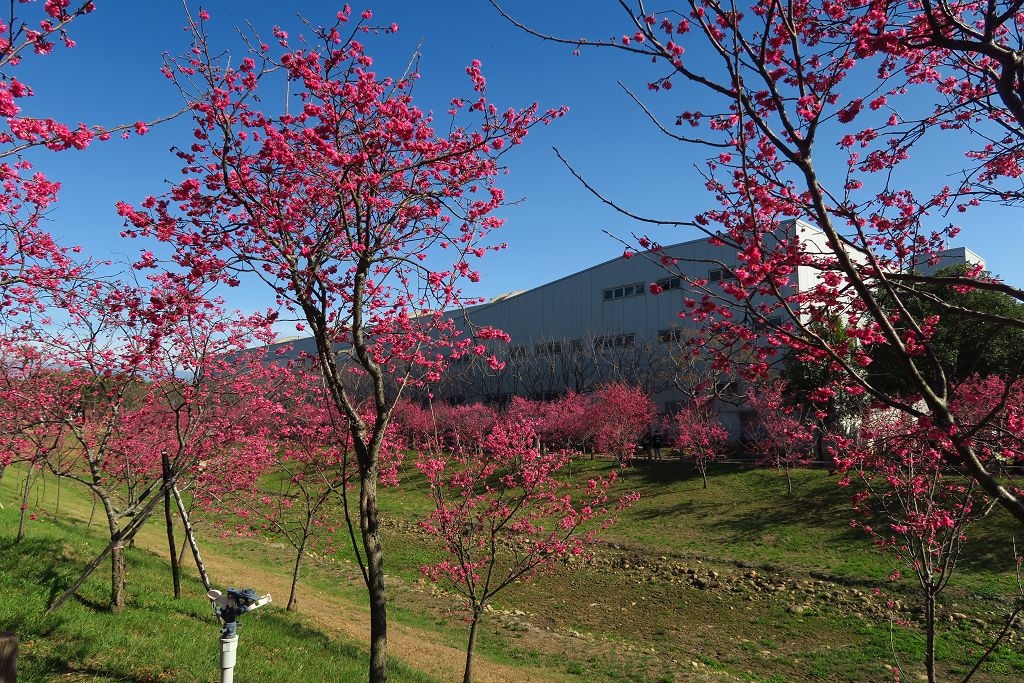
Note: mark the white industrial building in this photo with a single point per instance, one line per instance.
(603, 324)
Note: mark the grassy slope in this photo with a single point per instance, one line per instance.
(746, 517)
(156, 638)
(641, 629)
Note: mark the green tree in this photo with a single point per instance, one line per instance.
(964, 342)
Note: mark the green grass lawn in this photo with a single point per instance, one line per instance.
(156, 638)
(746, 516)
(636, 629)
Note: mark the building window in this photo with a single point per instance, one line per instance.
(617, 340)
(667, 283)
(721, 274)
(624, 291)
(576, 345)
(548, 348)
(673, 334)
(517, 352)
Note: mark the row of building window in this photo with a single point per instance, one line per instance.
(624, 291)
(552, 348)
(615, 340)
(555, 347)
(667, 283)
(673, 334)
(665, 336)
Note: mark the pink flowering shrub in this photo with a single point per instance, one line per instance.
(506, 515)
(777, 436)
(700, 436)
(621, 415)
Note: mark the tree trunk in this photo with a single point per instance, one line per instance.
(704, 475)
(86, 573)
(467, 675)
(56, 510)
(929, 633)
(116, 540)
(8, 657)
(169, 522)
(181, 552)
(117, 573)
(190, 536)
(117, 570)
(369, 526)
(789, 481)
(24, 506)
(295, 573)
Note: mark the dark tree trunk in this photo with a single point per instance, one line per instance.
(467, 675)
(169, 522)
(369, 526)
(26, 492)
(929, 632)
(299, 554)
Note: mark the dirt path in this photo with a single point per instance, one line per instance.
(420, 649)
(346, 616)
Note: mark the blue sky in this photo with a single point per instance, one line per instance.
(113, 77)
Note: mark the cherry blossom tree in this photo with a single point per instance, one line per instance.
(464, 427)
(819, 112)
(360, 215)
(415, 425)
(508, 514)
(700, 436)
(568, 423)
(138, 381)
(298, 497)
(210, 407)
(911, 495)
(623, 415)
(100, 379)
(778, 435)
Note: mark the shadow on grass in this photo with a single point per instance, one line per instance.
(744, 504)
(989, 546)
(75, 672)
